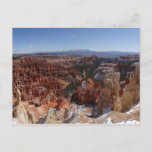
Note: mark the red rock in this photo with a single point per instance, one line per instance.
(90, 94)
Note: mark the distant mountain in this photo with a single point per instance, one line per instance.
(83, 52)
(99, 54)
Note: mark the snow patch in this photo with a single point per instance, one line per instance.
(83, 84)
(130, 122)
(133, 109)
(108, 121)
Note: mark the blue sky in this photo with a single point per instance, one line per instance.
(27, 40)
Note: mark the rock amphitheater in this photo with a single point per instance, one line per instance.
(107, 94)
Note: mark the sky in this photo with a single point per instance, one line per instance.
(30, 40)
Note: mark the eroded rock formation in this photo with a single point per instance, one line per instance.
(39, 84)
(89, 94)
(130, 94)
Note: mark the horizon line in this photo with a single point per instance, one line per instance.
(49, 51)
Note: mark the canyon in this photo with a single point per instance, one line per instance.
(53, 89)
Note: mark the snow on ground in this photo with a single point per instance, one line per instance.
(108, 121)
(97, 76)
(133, 109)
(130, 122)
(83, 84)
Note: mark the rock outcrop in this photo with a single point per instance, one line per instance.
(19, 111)
(130, 95)
(110, 93)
